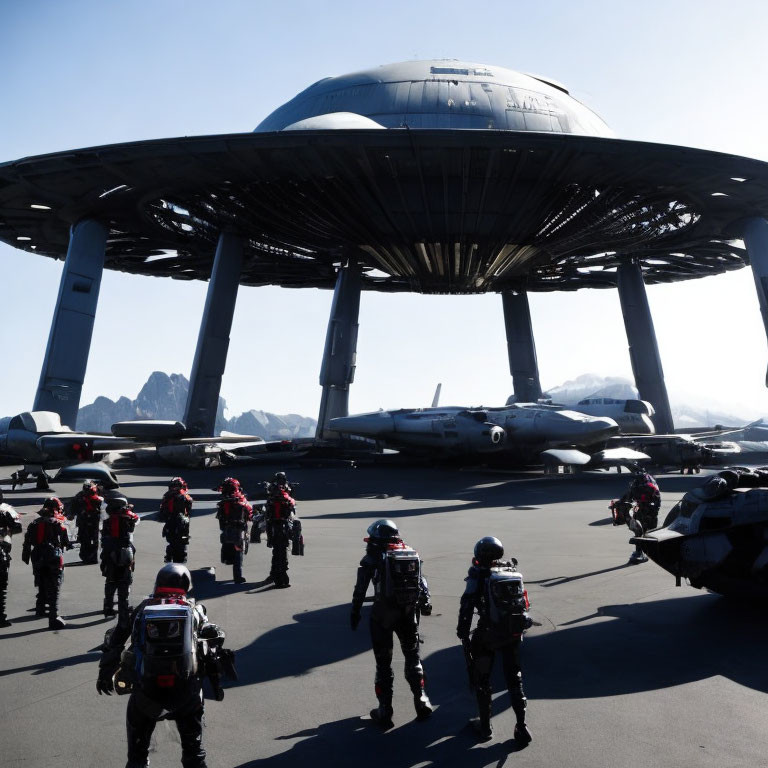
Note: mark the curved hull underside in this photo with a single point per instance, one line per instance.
(430, 211)
(731, 561)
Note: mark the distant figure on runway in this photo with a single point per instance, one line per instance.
(85, 510)
(496, 591)
(395, 570)
(45, 541)
(118, 556)
(175, 509)
(9, 525)
(644, 493)
(233, 514)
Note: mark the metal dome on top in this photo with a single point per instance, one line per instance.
(444, 93)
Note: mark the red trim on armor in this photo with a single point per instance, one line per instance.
(170, 591)
(166, 681)
(40, 533)
(114, 527)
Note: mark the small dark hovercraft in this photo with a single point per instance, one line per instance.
(716, 536)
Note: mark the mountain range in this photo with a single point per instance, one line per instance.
(164, 397)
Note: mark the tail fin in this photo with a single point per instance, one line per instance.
(436, 398)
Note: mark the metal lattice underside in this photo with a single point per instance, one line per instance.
(450, 211)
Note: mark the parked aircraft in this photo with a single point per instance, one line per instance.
(39, 441)
(522, 429)
(168, 442)
(716, 537)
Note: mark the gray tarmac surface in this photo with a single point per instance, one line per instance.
(622, 669)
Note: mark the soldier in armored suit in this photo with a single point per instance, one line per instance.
(85, 510)
(9, 524)
(283, 529)
(395, 570)
(173, 648)
(644, 493)
(496, 591)
(233, 514)
(45, 541)
(118, 556)
(175, 509)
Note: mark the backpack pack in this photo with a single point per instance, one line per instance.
(507, 602)
(165, 647)
(48, 551)
(400, 577)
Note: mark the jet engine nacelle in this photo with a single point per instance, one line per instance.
(19, 442)
(477, 434)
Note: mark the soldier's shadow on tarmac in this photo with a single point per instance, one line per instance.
(648, 646)
(315, 639)
(466, 491)
(355, 742)
(54, 665)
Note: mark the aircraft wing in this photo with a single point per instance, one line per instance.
(566, 456)
(229, 439)
(157, 431)
(612, 457)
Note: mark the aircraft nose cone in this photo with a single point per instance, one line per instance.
(365, 424)
(598, 427)
(589, 429)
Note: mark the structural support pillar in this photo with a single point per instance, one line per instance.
(69, 342)
(339, 357)
(213, 340)
(521, 347)
(643, 349)
(755, 234)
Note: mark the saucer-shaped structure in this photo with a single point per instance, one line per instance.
(482, 179)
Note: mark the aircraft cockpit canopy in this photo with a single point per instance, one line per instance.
(38, 421)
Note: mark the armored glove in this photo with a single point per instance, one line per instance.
(527, 622)
(104, 684)
(354, 619)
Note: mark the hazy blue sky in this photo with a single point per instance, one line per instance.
(82, 73)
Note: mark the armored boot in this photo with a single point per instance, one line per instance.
(382, 715)
(482, 725)
(237, 568)
(522, 733)
(109, 599)
(638, 556)
(123, 608)
(40, 606)
(191, 737)
(54, 588)
(421, 702)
